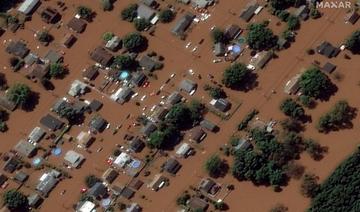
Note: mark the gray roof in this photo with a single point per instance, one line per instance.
(172, 166)
(7, 104)
(148, 2)
(52, 56)
(187, 85)
(148, 128)
(95, 105)
(31, 59)
(46, 184)
(182, 24)
(249, 12)
(98, 190)
(136, 144)
(28, 6)
(34, 200)
(243, 144)
(329, 67)
(73, 158)
(328, 50)
(147, 63)
(11, 164)
(134, 207)
(201, 3)
(25, 148)
(97, 123)
(36, 134)
(173, 98)
(219, 49)
(17, 48)
(302, 12)
(21, 176)
(114, 43)
(138, 78)
(197, 134)
(51, 122)
(352, 17)
(127, 193)
(125, 95)
(222, 104)
(206, 124)
(144, 11)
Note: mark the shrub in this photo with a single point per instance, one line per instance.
(166, 15)
(129, 13)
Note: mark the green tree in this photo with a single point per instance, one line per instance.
(283, 15)
(183, 199)
(236, 75)
(307, 101)
(291, 108)
(353, 42)
(179, 116)
(91, 180)
(141, 24)
(217, 35)
(44, 36)
(84, 12)
(57, 70)
(309, 186)
(214, 166)
(260, 37)
(156, 139)
(315, 83)
(123, 62)
(134, 41)
(3, 126)
(314, 149)
(19, 94)
(15, 200)
(166, 15)
(196, 110)
(129, 13)
(107, 36)
(106, 5)
(293, 23)
(314, 13)
(281, 4)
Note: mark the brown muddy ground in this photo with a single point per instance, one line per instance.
(178, 59)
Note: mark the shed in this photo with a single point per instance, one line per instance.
(110, 175)
(145, 12)
(69, 40)
(101, 56)
(21, 176)
(51, 122)
(50, 15)
(187, 86)
(73, 158)
(34, 200)
(182, 24)
(172, 166)
(25, 148)
(232, 32)
(28, 6)
(77, 25)
(17, 48)
(36, 134)
(329, 68)
(148, 128)
(197, 134)
(208, 125)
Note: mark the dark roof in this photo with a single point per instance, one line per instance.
(182, 24)
(148, 128)
(327, 50)
(38, 71)
(90, 73)
(222, 104)
(53, 57)
(98, 190)
(197, 134)
(138, 78)
(95, 105)
(206, 124)
(136, 184)
(77, 25)
(97, 123)
(329, 67)
(7, 104)
(206, 185)
(249, 12)
(110, 175)
(136, 144)
(21, 176)
(219, 49)
(17, 48)
(196, 203)
(147, 63)
(232, 31)
(11, 164)
(69, 40)
(101, 56)
(3, 179)
(352, 17)
(173, 98)
(50, 15)
(172, 166)
(127, 193)
(51, 122)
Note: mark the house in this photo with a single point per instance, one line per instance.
(25, 148)
(21, 176)
(221, 104)
(158, 182)
(201, 4)
(352, 17)
(302, 12)
(292, 86)
(77, 25)
(219, 49)
(145, 12)
(60, 104)
(84, 139)
(101, 56)
(36, 135)
(147, 63)
(31, 59)
(187, 86)
(243, 144)
(122, 95)
(174, 98)
(133, 207)
(113, 43)
(53, 57)
(136, 144)
(127, 192)
(28, 6)
(183, 150)
(51, 122)
(97, 124)
(68, 40)
(136, 184)
(90, 73)
(34, 200)
(208, 125)
(17, 48)
(77, 88)
(232, 32)
(46, 183)
(171, 166)
(148, 128)
(50, 15)
(182, 24)
(95, 105)
(249, 11)
(86, 206)
(208, 186)
(158, 114)
(38, 71)
(98, 191)
(328, 50)
(6, 104)
(11, 164)
(73, 158)
(138, 78)
(197, 134)
(110, 175)
(197, 204)
(329, 68)
(260, 59)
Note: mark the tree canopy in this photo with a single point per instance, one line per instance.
(215, 91)
(315, 83)
(141, 24)
(214, 166)
(107, 36)
(106, 5)
(124, 62)
(293, 22)
(91, 180)
(166, 15)
(129, 13)
(291, 108)
(134, 41)
(44, 36)
(217, 35)
(15, 200)
(57, 70)
(19, 94)
(84, 12)
(236, 76)
(353, 42)
(260, 37)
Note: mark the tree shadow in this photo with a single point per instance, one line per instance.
(222, 171)
(32, 102)
(326, 94)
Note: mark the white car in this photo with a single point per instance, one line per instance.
(191, 72)
(188, 45)
(194, 49)
(192, 92)
(251, 67)
(134, 95)
(217, 60)
(162, 87)
(212, 28)
(143, 98)
(172, 75)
